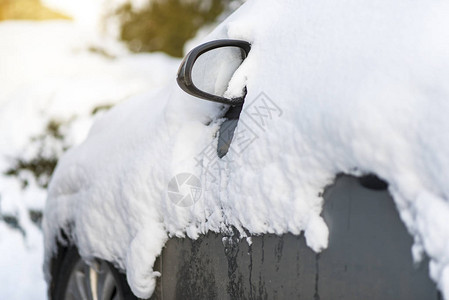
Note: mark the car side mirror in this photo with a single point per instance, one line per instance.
(206, 71)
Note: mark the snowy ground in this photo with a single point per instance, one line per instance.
(52, 73)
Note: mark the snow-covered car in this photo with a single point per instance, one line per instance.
(269, 187)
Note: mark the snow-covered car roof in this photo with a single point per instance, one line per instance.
(353, 87)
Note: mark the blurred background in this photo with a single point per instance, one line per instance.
(63, 63)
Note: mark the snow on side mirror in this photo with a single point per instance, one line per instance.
(206, 71)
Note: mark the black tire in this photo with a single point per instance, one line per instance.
(72, 279)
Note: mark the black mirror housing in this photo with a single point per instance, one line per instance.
(185, 80)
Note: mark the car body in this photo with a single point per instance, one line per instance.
(229, 187)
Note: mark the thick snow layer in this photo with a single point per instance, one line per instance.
(347, 87)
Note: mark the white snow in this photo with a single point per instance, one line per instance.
(47, 73)
(350, 87)
(20, 262)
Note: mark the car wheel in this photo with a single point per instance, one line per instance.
(76, 280)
